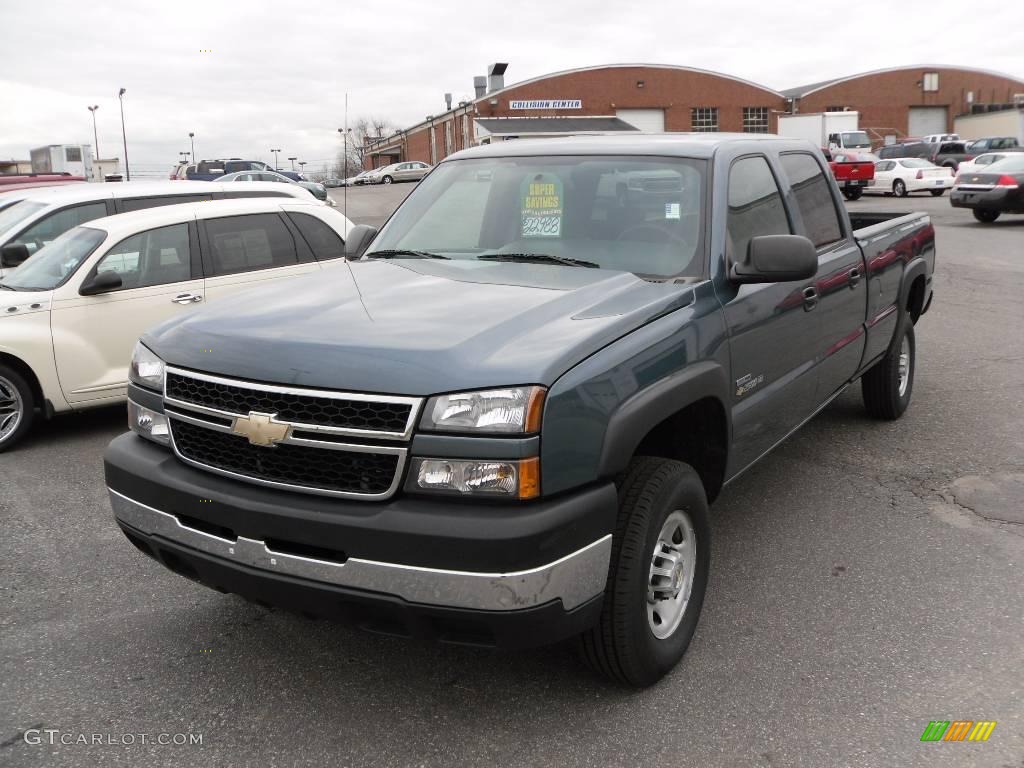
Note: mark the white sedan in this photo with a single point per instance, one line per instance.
(982, 162)
(904, 175)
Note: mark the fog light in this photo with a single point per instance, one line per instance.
(513, 479)
(148, 423)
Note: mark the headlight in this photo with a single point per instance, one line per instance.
(146, 369)
(512, 479)
(511, 410)
(147, 423)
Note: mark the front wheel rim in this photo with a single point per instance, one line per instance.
(12, 408)
(671, 575)
(904, 366)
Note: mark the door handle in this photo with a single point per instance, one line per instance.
(854, 277)
(187, 298)
(810, 298)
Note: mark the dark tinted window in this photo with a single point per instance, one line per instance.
(812, 198)
(951, 147)
(49, 228)
(156, 257)
(755, 205)
(245, 243)
(321, 238)
(139, 203)
(243, 192)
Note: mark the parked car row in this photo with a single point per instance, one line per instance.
(318, 191)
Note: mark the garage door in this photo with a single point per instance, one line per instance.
(650, 120)
(926, 120)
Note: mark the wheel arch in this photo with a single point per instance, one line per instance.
(25, 371)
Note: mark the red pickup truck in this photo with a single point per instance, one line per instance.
(26, 180)
(852, 171)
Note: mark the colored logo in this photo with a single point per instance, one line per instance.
(958, 730)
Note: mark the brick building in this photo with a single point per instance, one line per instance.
(657, 97)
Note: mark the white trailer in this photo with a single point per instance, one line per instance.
(834, 130)
(75, 159)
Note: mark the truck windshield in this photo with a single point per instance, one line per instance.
(856, 139)
(13, 215)
(54, 263)
(636, 214)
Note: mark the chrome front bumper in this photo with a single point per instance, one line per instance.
(573, 579)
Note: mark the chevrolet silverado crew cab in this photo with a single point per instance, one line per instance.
(503, 422)
(71, 314)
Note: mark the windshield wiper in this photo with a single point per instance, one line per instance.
(538, 258)
(394, 253)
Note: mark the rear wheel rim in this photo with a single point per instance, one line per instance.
(12, 408)
(671, 575)
(904, 366)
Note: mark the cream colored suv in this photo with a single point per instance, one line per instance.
(71, 314)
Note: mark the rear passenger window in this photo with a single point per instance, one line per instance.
(755, 205)
(246, 243)
(324, 241)
(156, 257)
(812, 199)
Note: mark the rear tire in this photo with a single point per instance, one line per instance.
(899, 188)
(888, 384)
(937, 192)
(853, 194)
(985, 215)
(648, 618)
(17, 407)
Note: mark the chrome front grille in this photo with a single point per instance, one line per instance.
(318, 439)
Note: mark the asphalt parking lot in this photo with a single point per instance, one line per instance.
(866, 579)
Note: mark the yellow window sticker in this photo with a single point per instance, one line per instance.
(541, 205)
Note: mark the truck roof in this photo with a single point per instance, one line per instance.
(698, 145)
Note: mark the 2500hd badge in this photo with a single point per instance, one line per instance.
(470, 433)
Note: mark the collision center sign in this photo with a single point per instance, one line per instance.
(547, 104)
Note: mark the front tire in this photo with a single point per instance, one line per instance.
(888, 384)
(658, 574)
(985, 216)
(17, 407)
(937, 192)
(387, 180)
(899, 188)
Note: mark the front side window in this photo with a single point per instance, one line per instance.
(755, 205)
(56, 262)
(323, 240)
(156, 257)
(812, 199)
(246, 243)
(704, 119)
(49, 228)
(636, 214)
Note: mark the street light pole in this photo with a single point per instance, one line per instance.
(95, 136)
(293, 159)
(275, 151)
(124, 138)
(302, 165)
(192, 138)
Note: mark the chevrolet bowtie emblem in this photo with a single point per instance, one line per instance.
(260, 428)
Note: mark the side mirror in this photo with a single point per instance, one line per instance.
(776, 259)
(359, 238)
(13, 255)
(101, 282)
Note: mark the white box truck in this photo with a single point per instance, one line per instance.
(75, 159)
(829, 130)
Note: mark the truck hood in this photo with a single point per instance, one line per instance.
(417, 327)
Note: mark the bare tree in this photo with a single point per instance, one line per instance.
(360, 130)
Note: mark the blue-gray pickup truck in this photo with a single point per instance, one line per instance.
(503, 420)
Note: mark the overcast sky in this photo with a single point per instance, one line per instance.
(276, 73)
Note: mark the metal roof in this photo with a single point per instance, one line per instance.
(800, 91)
(541, 125)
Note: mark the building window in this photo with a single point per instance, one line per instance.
(835, 109)
(704, 119)
(447, 137)
(755, 120)
(73, 154)
(930, 81)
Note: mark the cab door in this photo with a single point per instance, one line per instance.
(93, 336)
(770, 325)
(248, 250)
